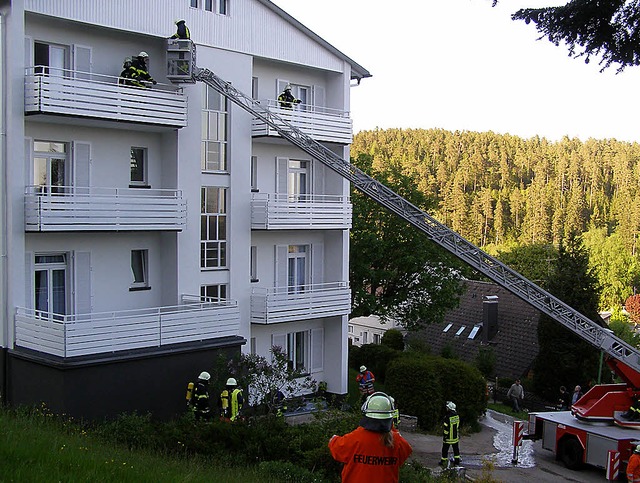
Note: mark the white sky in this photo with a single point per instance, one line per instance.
(462, 65)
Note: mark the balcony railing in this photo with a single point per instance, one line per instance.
(284, 212)
(98, 333)
(320, 123)
(48, 90)
(288, 304)
(69, 208)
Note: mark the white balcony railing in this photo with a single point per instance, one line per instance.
(98, 333)
(288, 304)
(320, 123)
(49, 90)
(284, 212)
(68, 208)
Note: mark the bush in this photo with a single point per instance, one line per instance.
(486, 361)
(393, 339)
(422, 385)
(376, 357)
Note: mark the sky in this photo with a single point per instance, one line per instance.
(463, 65)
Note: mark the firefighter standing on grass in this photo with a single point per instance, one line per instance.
(365, 380)
(231, 401)
(198, 397)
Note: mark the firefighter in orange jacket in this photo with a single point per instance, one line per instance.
(633, 467)
(374, 451)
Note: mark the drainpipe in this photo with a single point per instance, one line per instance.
(4, 314)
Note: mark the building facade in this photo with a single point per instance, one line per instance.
(147, 230)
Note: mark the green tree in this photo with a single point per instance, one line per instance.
(395, 270)
(564, 359)
(393, 338)
(591, 28)
(534, 262)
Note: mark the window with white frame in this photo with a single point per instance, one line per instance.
(376, 338)
(138, 167)
(350, 329)
(51, 59)
(217, 6)
(215, 114)
(215, 292)
(297, 268)
(298, 179)
(51, 283)
(213, 227)
(51, 165)
(139, 269)
(254, 173)
(297, 350)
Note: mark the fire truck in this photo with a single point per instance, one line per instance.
(594, 429)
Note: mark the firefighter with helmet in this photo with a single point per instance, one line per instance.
(633, 466)
(231, 401)
(142, 70)
(450, 434)
(375, 450)
(287, 99)
(182, 31)
(198, 397)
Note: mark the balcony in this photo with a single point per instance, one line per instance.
(82, 95)
(286, 212)
(320, 123)
(68, 208)
(288, 304)
(99, 333)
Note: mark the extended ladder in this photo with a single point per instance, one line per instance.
(600, 337)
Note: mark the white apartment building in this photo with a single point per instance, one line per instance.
(146, 231)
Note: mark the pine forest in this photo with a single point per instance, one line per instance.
(503, 192)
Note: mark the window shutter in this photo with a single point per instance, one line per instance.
(282, 168)
(279, 340)
(82, 62)
(319, 98)
(281, 268)
(317, 349)
(28, 52)
(29, 279)
(81, 164)
(82, 281)
(317, 261)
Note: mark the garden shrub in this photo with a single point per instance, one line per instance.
(422, 384)
(393, 339)
(376, 357)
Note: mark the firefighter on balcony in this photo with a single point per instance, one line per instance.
(182, 31)
(128, 76)
(365, 380)
(142, 71)
(450, 435)
(231, 401)
(198, 397)
(286, 99)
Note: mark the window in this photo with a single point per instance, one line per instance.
(194, 3)
(297, 273)
(446, 329)
(213, 154)
(208, 5)
(376, 338)
(50, 165)
(223, 7)
(253, 345)
(50, 285)
(254, 173)
(139, 167)
(52, 59)
(365, 337)
(350, 329)
(298, 179)
(253, 264)
(461, 330)
(139, 269)
(216, 292)
(297, 343)
(254, 87)
(213, 227)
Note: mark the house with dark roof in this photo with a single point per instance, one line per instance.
(488, 316)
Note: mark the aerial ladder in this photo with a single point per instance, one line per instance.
(621, 357)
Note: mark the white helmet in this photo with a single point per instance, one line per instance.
(363, 368)
(451, 406)
(231, 382)
(287, 87)
(179, 20)
(204, 375)
(143, 54)
(378, 406)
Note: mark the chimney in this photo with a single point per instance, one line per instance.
(489, 317)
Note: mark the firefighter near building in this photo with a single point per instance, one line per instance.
(597, 429)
